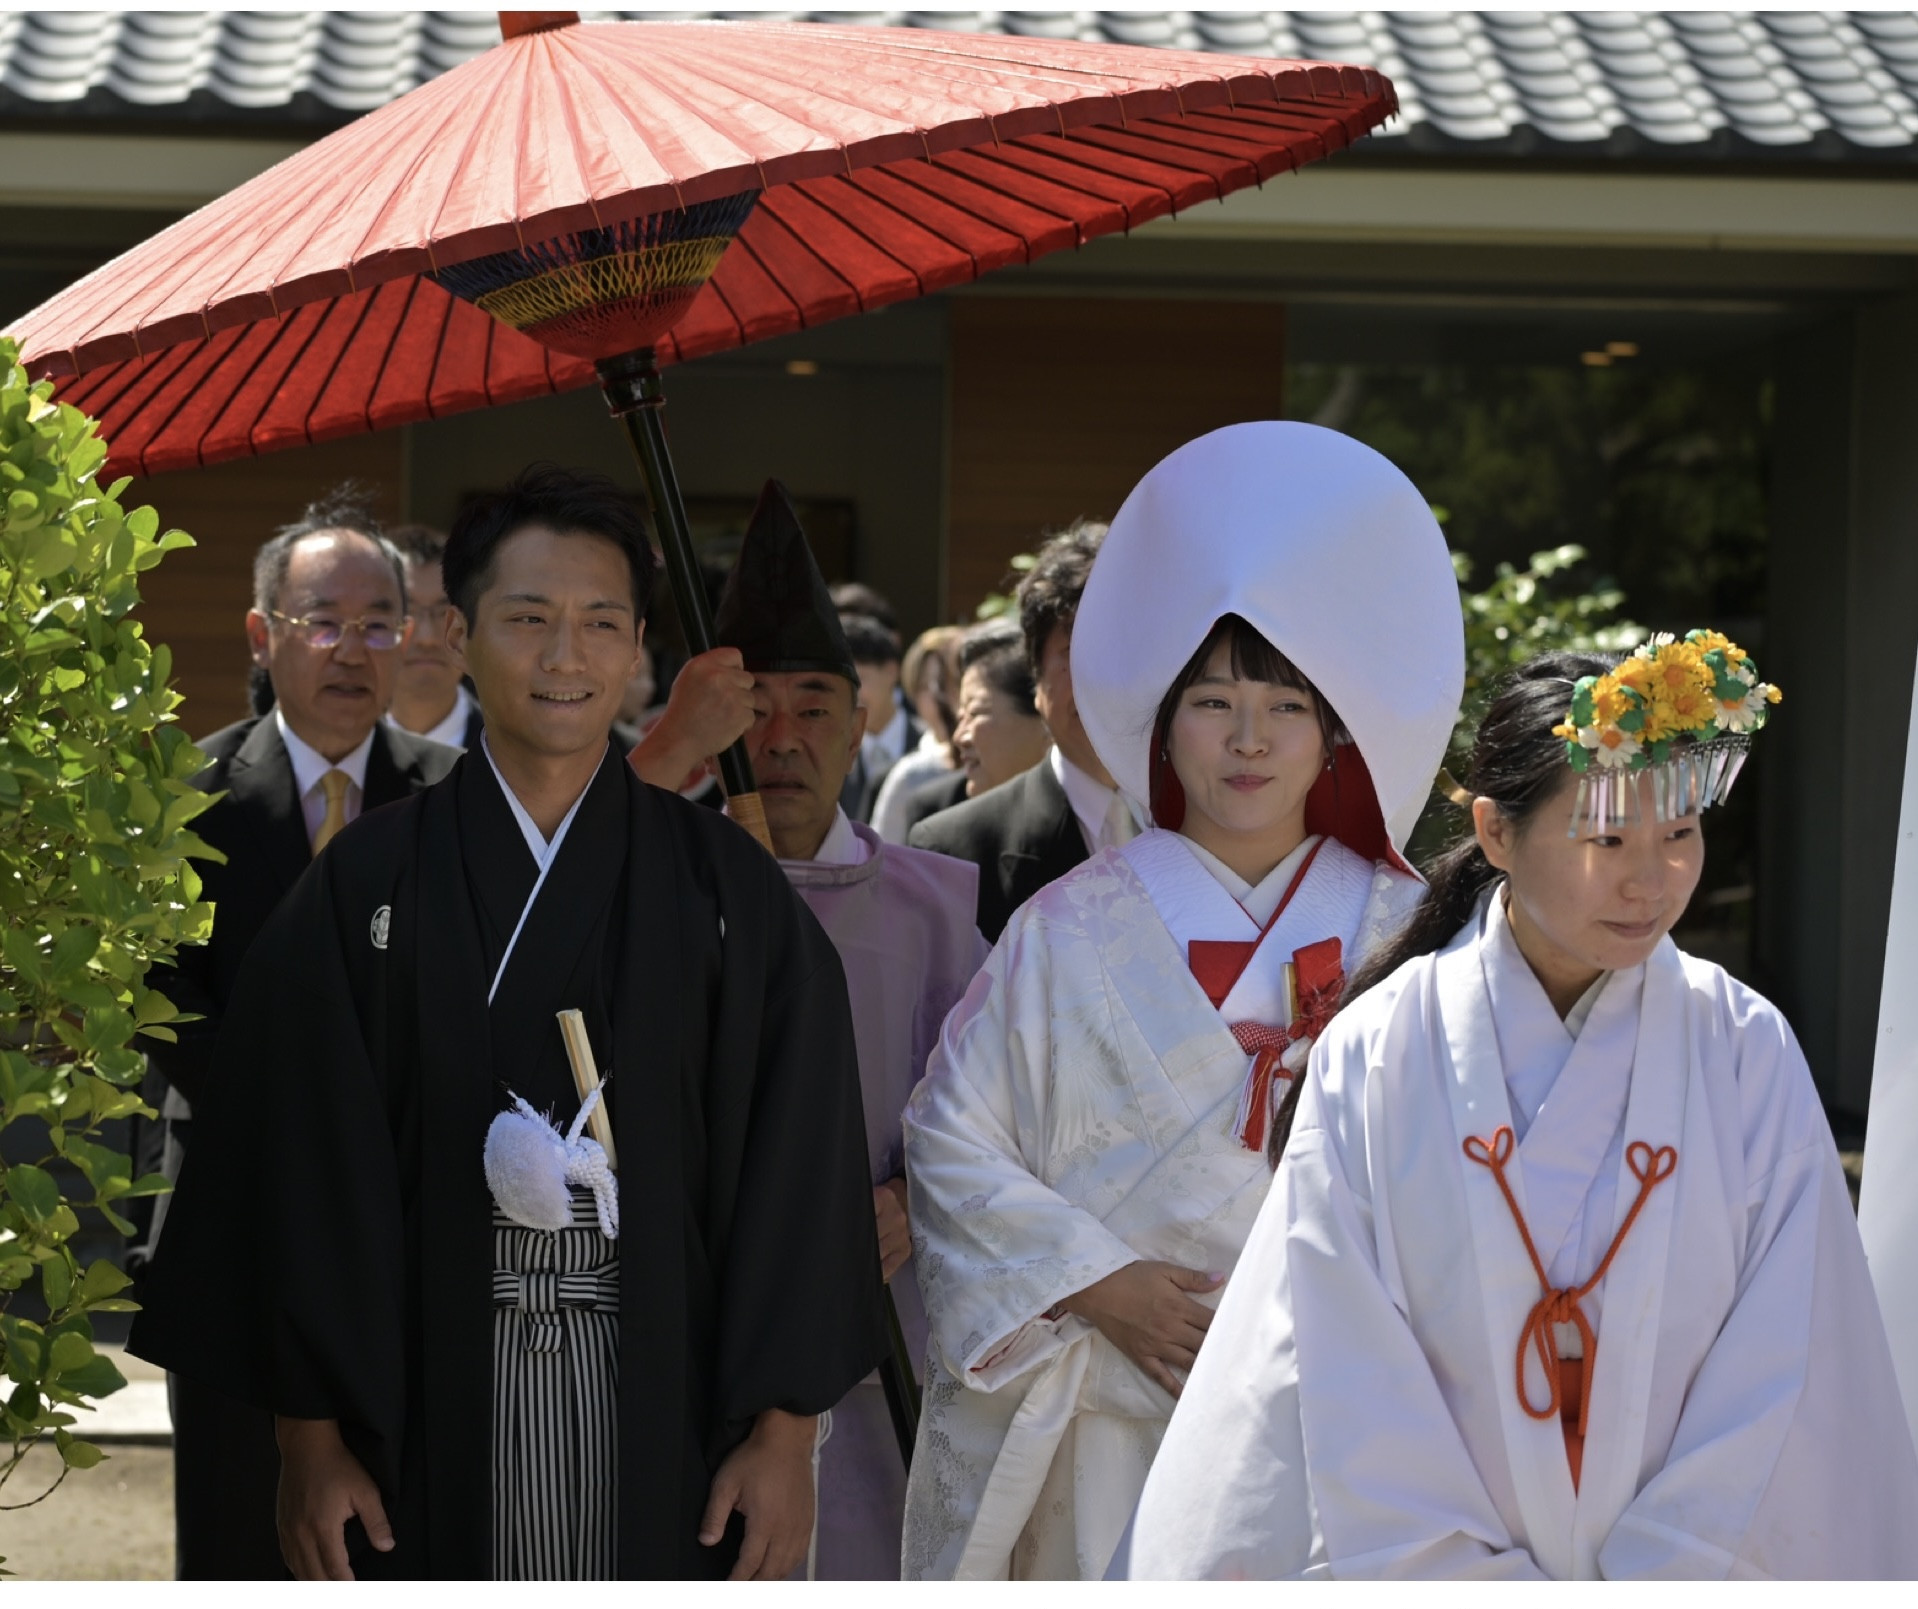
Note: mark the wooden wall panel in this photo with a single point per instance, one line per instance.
(196, 601)
(1060, 404)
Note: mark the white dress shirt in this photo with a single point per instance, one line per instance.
(1091, 802)
(842, 846)
(881, 748)
(452, 730)
(309, 765)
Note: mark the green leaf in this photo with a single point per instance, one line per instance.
(81, 1454)
(56, 1282)
(33, 1190)
(148, 1184)
(72, 951)
(71, 1354)
(97, 1377)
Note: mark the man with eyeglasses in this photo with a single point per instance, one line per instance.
(328, 625)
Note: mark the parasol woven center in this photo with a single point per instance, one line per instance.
(599, 293)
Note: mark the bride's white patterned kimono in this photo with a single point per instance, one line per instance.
(1077, 1116)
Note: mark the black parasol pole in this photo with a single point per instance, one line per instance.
(902, 1390)
(633, 393)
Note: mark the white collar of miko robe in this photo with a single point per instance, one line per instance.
(1320, 543)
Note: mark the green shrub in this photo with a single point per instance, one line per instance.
(1527, 612)
(95, 886)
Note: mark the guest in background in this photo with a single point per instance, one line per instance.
(999, 731)
(1061, 805)
(430, 698)
(929, 677)
(328, 629)
(856, 598)
(891, 727)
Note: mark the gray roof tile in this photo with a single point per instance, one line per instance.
(1823, 82)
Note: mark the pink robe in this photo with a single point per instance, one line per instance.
(903, 922)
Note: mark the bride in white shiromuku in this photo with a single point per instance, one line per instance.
(1559, 1276)
(1268, 651)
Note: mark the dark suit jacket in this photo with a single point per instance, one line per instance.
(226, 1466)
(262, 832)
(1021, 835)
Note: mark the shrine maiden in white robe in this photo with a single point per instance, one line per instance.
(1354, 1410)
(1077, 1116)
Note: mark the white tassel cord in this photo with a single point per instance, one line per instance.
(532, 1168)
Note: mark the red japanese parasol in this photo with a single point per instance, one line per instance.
(619, 196)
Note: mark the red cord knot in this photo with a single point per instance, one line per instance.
(1279, 1053)
(1564, 1304)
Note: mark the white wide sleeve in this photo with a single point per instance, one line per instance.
(994, 1246)
(1792, 1458)
(1312, 1439)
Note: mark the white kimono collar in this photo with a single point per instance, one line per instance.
(1565, 1529)
(544, 853)
(1193, 903)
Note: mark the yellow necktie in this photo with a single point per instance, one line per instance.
(1120, 826)
(335, 783)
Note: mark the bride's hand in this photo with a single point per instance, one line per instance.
(1144, 1309)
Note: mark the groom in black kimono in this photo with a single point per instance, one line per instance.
(334, 1255)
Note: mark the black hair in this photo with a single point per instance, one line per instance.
(420, 544)
(871, 641)
(348, 507)
(1253, 660)
(1518, 763)
(856, 598)
(1049, 595)
(567, 501)
(260, 696)
(997, 651)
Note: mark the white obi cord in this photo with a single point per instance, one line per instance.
(532, 1169)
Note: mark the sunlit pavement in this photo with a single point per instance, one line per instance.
(110, 1523)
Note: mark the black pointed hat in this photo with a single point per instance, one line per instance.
(775, 608)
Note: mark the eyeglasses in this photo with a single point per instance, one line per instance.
(380, 633)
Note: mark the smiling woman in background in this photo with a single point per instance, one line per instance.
(1086, 1154)
(999, 732)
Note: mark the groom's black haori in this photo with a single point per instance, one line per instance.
(330, 1254)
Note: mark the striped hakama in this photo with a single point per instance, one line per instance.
(555, 1400)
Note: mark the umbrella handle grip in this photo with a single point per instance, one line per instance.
(749, 811)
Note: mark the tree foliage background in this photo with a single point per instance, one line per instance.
(95, 886)
(1571, 493)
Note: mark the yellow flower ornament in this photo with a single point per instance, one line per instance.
(1682, 710)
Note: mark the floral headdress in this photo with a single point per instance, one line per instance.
(1682, 710)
